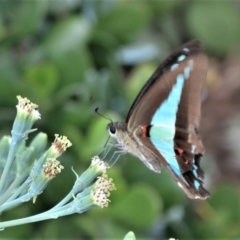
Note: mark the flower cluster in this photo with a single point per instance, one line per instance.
(60, 144)
(52, 167)
(28, 170)
(102, 189)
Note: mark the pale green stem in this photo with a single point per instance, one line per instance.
(12, 152)
(10, 189)
(16, 202)
(35, 218)
(19, 190)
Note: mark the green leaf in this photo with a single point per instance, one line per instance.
(40, 80)
(61, 7)
(97, 133)
(163, 183)
(65, 45)
(220, 213)
(121, 184)
(216, 23)
(137, 79)
(100, 226)
(139, 208)
(95, 139)
(125, 20)
(69, 34)
(226, 194)
(163, 7)
(23, 17)
(72, 65)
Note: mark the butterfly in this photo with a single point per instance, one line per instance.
(162, 125)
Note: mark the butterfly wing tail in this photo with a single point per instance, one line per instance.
(190, 183)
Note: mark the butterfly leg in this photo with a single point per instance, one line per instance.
(116, 156)
(103, 154)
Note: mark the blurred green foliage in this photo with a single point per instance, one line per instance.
(72, 56)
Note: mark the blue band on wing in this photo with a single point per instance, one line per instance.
(163, 122)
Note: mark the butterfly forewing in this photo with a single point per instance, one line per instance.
(165, 78)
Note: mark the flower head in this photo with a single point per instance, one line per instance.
(97, 167)
(60, 144)
(101, 191)
(26, 107)
(100, 165)
(41, 177)
(94, 195)
(48, 160)
(27, 114)
(52, 167)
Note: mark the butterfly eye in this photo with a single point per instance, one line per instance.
(112, 129)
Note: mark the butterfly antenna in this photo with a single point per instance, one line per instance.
(102, 115)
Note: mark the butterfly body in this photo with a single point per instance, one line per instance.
(162, 124)
(129, 142)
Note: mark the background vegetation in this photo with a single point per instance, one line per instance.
(72, 56)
